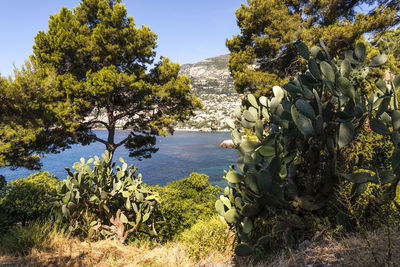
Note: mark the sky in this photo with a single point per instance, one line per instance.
(188, 31)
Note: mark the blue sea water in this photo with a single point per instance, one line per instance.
(178, 155)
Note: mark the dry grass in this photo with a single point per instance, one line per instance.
(349, 251)
(72, 252)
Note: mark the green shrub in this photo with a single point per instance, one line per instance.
(101, 202)
(27, 199)
(183, 203)
(21, 239)
(206, 236)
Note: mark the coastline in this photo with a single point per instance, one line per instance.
(205, 130)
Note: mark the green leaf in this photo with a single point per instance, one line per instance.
(247, 225)
(378, 60)
(359, 51)
(65, 210)
(303, 123)
(234, 177)
(238, 112)
(252, 100)
(346, 133)
(327, 71)
(249, 116)
(379, 126)
(317, 53)
(305, 108)
(396, 81)
(396, 119)
(346, 87)
(219, 207)
(314, 69)
(345, 68)
(230, 123)
(267, 151)
(358, 177)
(249, 146)
(395, 160)
(123, 218)
(263, 100)
(303, 50)
(278, 92)
(243, 250)
(386, 176)
(382, 86)
(293, 89)
(259, 129)
(325, 49)
(246, 124)
(146, 217)
(236, 137)
(232, 216)
(226, 201)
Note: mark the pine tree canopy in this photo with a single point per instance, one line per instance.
(264, 53)
(92, 67)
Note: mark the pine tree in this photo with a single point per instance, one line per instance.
(92, 68)
(264, 53)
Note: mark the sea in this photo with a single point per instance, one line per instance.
(179, 155)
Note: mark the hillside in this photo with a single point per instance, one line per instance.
(213, 84)
(210, 76)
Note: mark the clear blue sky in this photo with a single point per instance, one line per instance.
(188, 31)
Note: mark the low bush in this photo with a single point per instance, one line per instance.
(207, 236)
(183, 203)
(27, 199)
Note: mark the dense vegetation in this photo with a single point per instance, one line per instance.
(318, 156)
(289, 178)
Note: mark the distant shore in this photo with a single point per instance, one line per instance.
(179, 130)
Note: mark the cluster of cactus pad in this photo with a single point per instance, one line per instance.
(119, 201)
(289, 168)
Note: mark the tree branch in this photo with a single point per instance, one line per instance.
(124, 140)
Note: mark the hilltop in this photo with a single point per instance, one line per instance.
(212, 83)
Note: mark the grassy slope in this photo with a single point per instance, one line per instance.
(349, 251)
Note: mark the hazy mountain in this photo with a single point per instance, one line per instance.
(210, 76)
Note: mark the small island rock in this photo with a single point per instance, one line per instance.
(227, 144)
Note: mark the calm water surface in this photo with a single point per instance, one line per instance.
(178, 156)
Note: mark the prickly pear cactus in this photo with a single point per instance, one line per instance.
(384, 119)
(118, 201)
(290, 167)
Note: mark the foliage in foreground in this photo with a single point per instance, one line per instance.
(183, 203)
(99, 202)
(207, 236)
(28, 199)
(289, 174)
